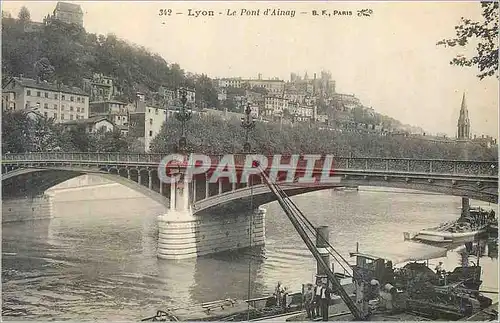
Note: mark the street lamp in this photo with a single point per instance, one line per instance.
(247, 123)
(183, 116)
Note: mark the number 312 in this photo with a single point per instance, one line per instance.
(165, 12)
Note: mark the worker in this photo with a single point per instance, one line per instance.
(325, 301)
(308, 300)
(278, 294)
(317, 299)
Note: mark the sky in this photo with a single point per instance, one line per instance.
(389, 60)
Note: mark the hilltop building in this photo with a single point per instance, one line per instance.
(69, 13)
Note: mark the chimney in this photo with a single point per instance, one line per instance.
(314, 75)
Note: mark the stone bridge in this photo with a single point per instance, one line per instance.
(199, 207)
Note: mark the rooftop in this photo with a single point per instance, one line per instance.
(43, 85)
(108, 101)
(69, 7)
(90, 120)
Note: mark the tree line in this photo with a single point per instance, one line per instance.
(23, 133)
(212, 135)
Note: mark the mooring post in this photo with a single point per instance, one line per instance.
(322, 244)
(465, 207)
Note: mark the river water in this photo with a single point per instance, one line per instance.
(96, 259)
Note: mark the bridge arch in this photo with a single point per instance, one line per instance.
(477, 190)
(35, 181)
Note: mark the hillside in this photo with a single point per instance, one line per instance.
(69, 54)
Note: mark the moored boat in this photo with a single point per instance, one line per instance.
(465, 229)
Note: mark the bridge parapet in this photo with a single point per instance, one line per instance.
(397, 165)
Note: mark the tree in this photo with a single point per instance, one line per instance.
(24, 15)
(111, 141)
(6, 14)
(486, 32)
(43, 69)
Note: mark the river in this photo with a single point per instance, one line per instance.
(96, 259)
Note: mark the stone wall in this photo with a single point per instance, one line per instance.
(208, 234)
(26, 209)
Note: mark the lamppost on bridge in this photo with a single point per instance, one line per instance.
(183, 116)
(248, 123)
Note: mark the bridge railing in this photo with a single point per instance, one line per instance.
(400, 165)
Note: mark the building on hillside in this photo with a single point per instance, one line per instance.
(305, 113)
(110, 107)
(272, 86)
(100, 87)
(145, 125)
(52, 100)
(274, 105)
(463, 123)
(115, 111)
(92, 124)
(68, 13)
(346, 101)
(486, 141)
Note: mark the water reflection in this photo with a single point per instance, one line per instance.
(96, 259)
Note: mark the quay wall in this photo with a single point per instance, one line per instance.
(27, 209)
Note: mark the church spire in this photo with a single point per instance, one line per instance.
(463, 121)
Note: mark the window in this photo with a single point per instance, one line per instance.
(62, 107)
(55, 106)
(62, 116)
(38, 93)
(70, 108)
(164, 111)
(77, 109)
(45, 114)
(83, 100)
(72, 99)
(63, 97)
(150, 121)
(46, 94)
(149, 110)
(77, 99)
(70, 117)
(55, 115)
(55, 96)
(45, 105)
(150, 133)
(82, 110)
(28, 92)
(28, 104)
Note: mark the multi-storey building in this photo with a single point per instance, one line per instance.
(115, 111)
(69, 13)
(100, 87)
(272, 86)
(57, 101)
(275, 105)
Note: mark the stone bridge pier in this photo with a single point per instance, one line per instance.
(183, 233)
